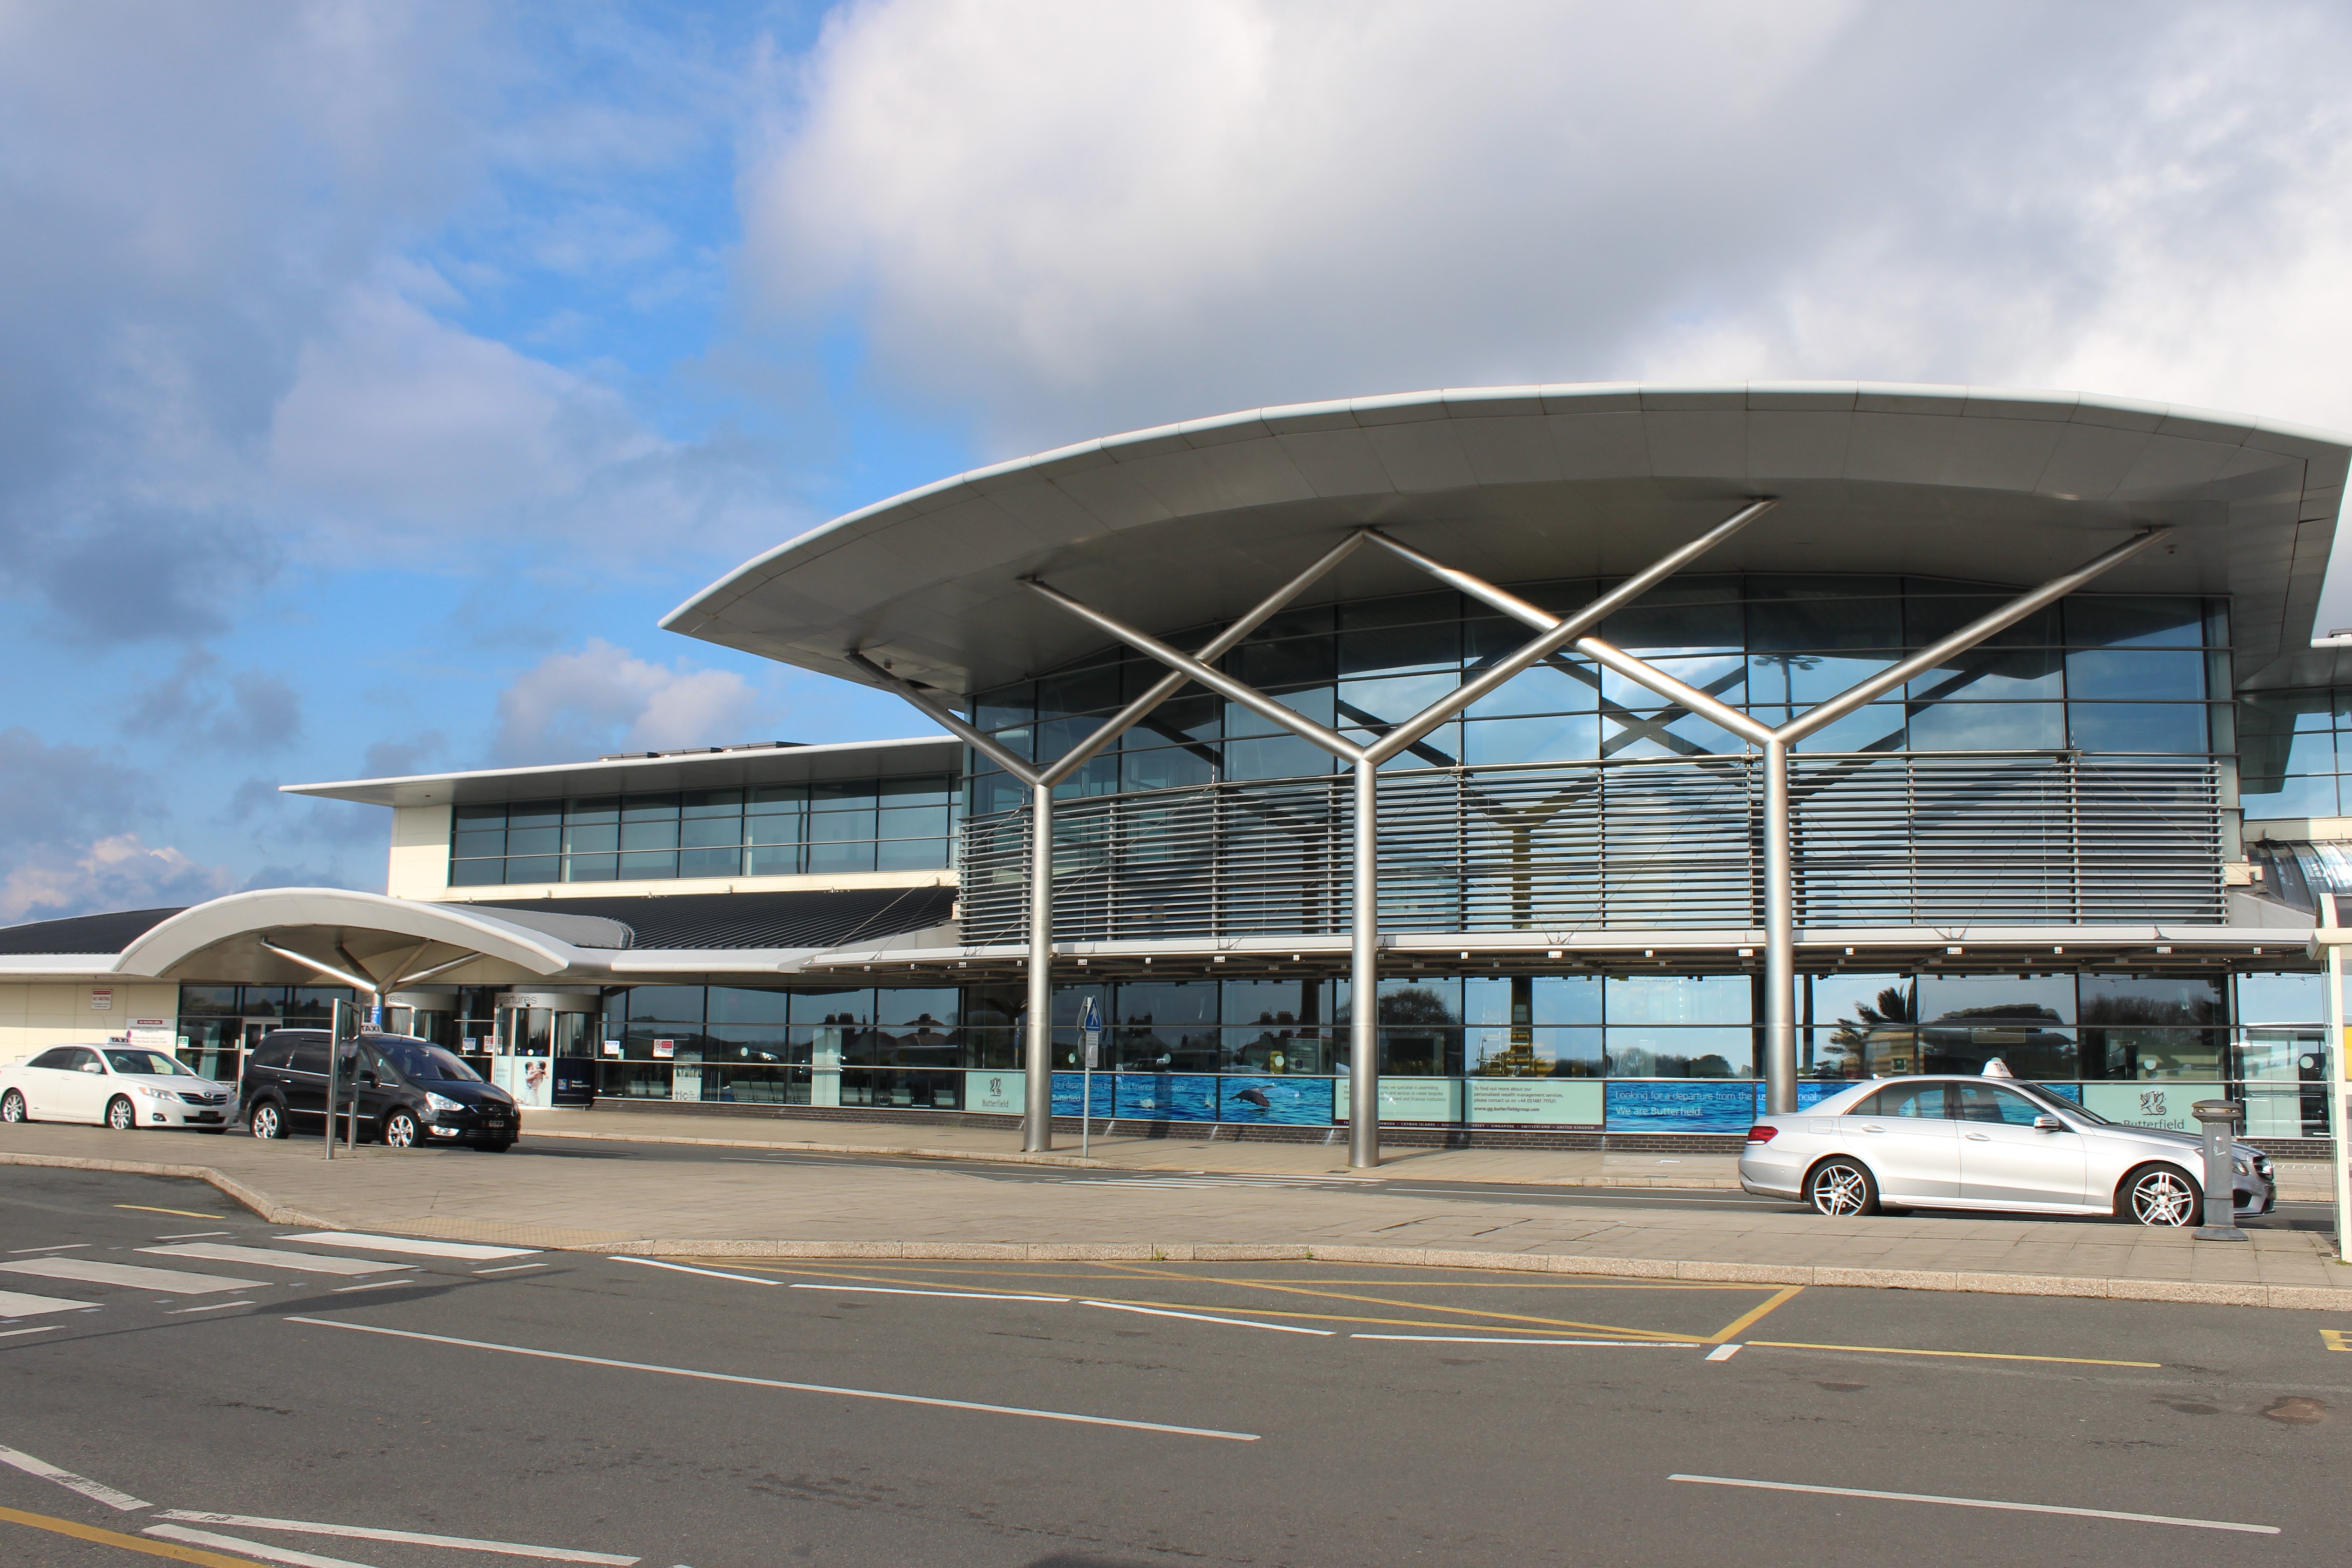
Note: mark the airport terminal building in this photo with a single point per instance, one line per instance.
(1653, 754)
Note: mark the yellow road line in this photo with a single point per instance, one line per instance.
(1785, 1294)
(184, 1213)
(1967, 1355)
(127, 1542)
(2336, 1339)
(1458, 1312)
(1634, 1336)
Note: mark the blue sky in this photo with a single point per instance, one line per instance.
(377, 377)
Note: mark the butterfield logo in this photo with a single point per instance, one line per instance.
(2151, 1102)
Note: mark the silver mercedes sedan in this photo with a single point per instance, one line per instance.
(1985, 1144)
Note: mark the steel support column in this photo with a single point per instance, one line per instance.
(1780, 937)
(1364, 975)
(1037, 1058)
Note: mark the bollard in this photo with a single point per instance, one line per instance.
(2218, 1119)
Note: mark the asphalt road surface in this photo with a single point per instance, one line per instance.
(262, 1395)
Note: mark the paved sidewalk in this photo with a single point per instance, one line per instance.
(753, 1205)
(1132, 1151)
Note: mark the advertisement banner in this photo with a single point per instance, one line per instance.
(1536, 1102)
(1811, 1091)
(1000, 1093)
(1682, 1106)
(2145, 1104)
(1157, 1096)
(1437, 1099)
(1279, 1102)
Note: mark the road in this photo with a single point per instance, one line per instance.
(553, 1407)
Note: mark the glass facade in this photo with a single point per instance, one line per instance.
(781, 830)
(1640, 1052)
(2294, 748)
(2099, 673)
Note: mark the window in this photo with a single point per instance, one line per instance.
(58, 1057)
(1921, 1101)
(781, 830)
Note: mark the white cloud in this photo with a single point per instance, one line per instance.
(1073, 221)
(119, 872)
(603, 699)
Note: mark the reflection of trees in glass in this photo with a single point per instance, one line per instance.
(1891, 1008)
(1415, 1004)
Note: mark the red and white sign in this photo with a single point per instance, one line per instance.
(665, 1050)
(101, 999)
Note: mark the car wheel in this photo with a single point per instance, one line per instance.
(122, 1114)
(1841, 1189)
(265, 1122)
(400, 1130)
(2160, 1194)
(11, 1107)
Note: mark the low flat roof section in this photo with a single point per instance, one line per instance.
(1188, 524)
(719, 768)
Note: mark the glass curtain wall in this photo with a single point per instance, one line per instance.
(785, 830)
(2108, 673)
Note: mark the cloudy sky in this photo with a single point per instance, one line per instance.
(373, 377)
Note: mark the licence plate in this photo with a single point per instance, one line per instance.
(494, 1124)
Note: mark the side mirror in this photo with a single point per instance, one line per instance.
(91, 1067)
(367, 1080)
(2048, 1125)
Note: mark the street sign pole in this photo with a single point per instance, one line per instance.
(1089, 1042)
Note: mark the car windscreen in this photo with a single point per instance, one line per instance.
(153, 1061)
(421, 1063)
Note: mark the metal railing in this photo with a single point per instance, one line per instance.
(1880, 839)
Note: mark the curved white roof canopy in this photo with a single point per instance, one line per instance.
(1190, 523)
(387, 936)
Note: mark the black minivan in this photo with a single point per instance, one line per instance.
(409, 1091)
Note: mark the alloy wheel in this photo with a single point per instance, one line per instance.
(2163, 1198)
(1840, 1191)
(122, 1116)
(401, 1131)
(11, 1107)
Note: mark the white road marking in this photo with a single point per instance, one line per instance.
(509, 1268)
(472, 1251)
(60, 1247)
(171, 1282)
(1985, 1502)
(251, 1548)
(890, 1290)
(270, 1258)
(13, 1304)
(682, 1269)
(194, 1234)
(796, 1387)
(207, 1307)
(1205, 1318)
(1723, 1353)
(97, 1491)
(1596, 1343)
(370, 1285)
(405, 1537)
(12, 1333)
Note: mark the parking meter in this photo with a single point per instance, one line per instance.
(2218, 1119)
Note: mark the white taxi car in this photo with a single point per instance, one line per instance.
(118, 1086)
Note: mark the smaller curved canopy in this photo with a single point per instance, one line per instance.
(337, 927)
